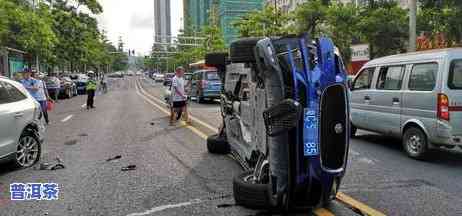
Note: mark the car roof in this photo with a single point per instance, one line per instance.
(205, 70)
(412, 56)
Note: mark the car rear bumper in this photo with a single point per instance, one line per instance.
(211, 94)
(444, 135)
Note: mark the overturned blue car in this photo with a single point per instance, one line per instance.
(285, 113)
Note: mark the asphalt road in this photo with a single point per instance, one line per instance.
(379, 173)
(176, 176)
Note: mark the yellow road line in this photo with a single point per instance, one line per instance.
(363, 208)
(322, 212)
(347, 200)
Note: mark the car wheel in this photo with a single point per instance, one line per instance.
(28, 150)
(217, 144)
(415, 143)
(329, 197)
(353, 130)
(250, 194)
(242, 51)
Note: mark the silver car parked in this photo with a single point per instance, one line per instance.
(21, 128)
(415, 96)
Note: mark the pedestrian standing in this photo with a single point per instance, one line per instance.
(37, 89)
(54, 86)
(91, 89)
(178, 97)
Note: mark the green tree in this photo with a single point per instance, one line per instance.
(310, 16)
(384, 25)
(441, 17)
(343, 22)
(267, 22)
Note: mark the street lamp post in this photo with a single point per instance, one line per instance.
(412, 25)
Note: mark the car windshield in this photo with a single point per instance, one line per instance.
(212, 75)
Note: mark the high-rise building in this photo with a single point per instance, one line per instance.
(196, 13)
(162, 21)
(230, 11)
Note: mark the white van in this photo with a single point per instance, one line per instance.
(414, 96)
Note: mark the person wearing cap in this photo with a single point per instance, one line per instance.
(37, 89)
(178, 96)
(91, 90)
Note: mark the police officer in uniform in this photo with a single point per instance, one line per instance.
(91, 89)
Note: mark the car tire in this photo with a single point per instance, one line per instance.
(353, 130)
(216, 59)
(249, 194)
(28, 137)
(242, 51)
(217, 145)
(415, 143)
(329, 197)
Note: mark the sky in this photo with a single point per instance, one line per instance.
(134, 21)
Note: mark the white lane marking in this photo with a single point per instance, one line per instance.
(67, 118)
(164, 207)
(366, 160)
(353, 152)
(84, 105)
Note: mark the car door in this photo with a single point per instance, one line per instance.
(11, 117)
(386, 100)
(454, 94)
(420, 95)
(360, 97)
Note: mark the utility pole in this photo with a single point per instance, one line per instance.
(412, 25)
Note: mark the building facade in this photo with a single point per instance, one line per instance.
(162, 21)
(231, 10)
(196, 13)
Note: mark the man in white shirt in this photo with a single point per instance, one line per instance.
(178, 96)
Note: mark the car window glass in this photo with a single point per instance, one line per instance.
(364, 79)
(390, 78)
(455, 75)
(423, 76)
(4, 95)
(14, 93)
(212, 75)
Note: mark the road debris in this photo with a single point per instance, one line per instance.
(129, 167)
(114, 158)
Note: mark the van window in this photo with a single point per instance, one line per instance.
(212, 75)
(455, 75)
(390, 78)
(364, 79)
(423, 77)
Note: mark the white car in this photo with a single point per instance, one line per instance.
(21, 127)
(159, 77)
